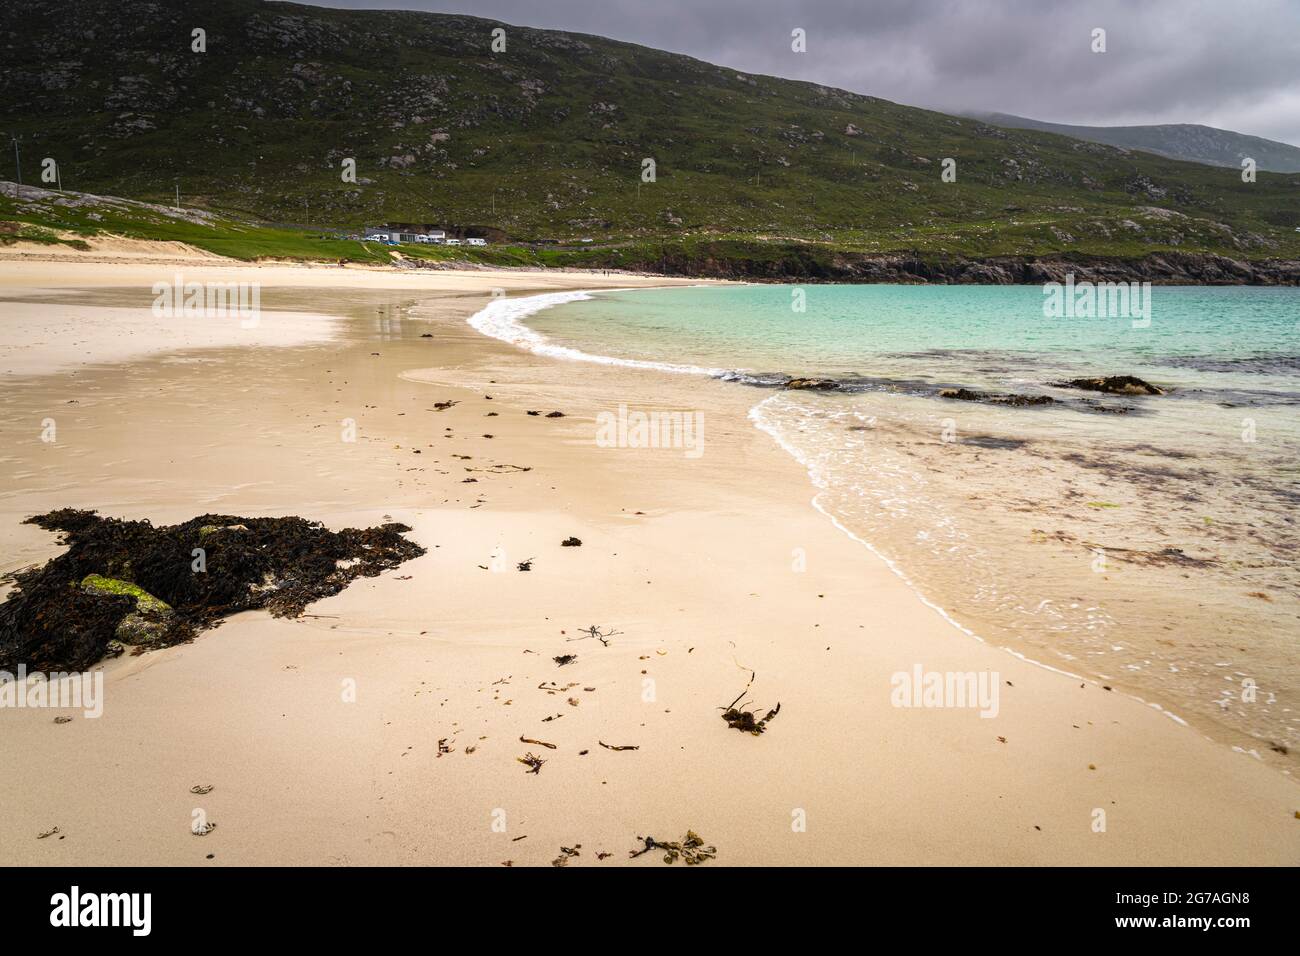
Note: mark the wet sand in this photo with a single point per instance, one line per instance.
(709, 568)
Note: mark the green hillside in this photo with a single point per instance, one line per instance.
(545, 141)
(1189, 141)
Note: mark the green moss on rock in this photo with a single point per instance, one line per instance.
(144, 601)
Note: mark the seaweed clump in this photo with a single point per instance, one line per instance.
(130, 582)
(690, 848)
(747, 721)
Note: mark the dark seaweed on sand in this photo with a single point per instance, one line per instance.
(747, 721)
(50, 623)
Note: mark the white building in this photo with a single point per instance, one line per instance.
(392, 234)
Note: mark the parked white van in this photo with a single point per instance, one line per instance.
(476, 242)
(452, 242)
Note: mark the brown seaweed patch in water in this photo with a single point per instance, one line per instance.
(204, 569)
(991, 398)
(1165, 557)
(993, 441)
(1149, 449)
(1101, 407)
(1138, 471)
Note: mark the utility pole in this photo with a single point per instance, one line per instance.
(178, 196)
(18, 162)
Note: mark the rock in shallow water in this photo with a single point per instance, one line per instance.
(989, 398)
(1113, 385)
(812, 384)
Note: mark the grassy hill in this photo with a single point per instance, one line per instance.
(545, 141)
(1188, 141)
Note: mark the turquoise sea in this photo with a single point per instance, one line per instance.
(986, 336)
(1149, 542)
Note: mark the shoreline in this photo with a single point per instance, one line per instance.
(804, 263)
(1182, 710)
(690, 559)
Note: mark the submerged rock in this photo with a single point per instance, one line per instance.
(991, 398)
(812, 384)
(1113, 385)
(1093, 405)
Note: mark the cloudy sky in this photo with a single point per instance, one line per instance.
(1234, 64)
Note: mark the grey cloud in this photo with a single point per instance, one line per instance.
(1234, 65)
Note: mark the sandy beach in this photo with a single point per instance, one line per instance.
(386, 725)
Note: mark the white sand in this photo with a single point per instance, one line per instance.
(692, 561)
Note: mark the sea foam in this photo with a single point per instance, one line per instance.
(503, 317)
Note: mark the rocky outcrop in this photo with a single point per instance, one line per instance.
(805, 263)
(1113, 385)
(811, 384)
(147, 624)
(1158, 269)
(131, 582)
(991, 398)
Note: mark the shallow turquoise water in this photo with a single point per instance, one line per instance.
(1147, 542)
(981, 336)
